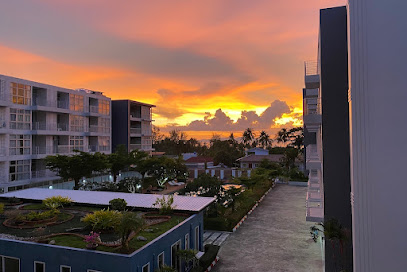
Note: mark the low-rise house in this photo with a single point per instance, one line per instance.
(38, 252)
(257, 151)
(253, 161)
(199, 162)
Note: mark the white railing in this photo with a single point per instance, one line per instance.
(43, 126)
(135, 146)
(63, 104)
(3, 152)
(135, 130)
(98, 148)
(146, 147)
(312, 106)
(77, 128)
(135, 115)
(94, 109)
(42, 150)
(311, 68)
(99, 129)
(62, 127)
(42, 174)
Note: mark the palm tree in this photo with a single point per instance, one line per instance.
(232, 139)
(264, 139)
(129, 222)
(248, 136)
(283, 135)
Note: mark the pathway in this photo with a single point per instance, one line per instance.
(275, 237)
(215, 237)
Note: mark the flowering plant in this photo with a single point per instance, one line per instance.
(92, 239)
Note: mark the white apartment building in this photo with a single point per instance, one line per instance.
(37, 120)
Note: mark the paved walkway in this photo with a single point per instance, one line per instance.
(275, 237)
(216, 238)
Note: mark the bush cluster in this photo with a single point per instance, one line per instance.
(56, 202)
(1, 208)
(102, 220)
(38, 216)
(118, 204)
(164, 204)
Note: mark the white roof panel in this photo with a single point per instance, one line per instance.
(181, 203)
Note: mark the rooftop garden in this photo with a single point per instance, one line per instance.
(58, 221)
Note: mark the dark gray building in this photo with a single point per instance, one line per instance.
(132, 125)
(326, 123)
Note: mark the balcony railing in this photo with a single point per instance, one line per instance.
(43, 126)
(62, 127)
(99, 129)
(135, 146)
(311, 68)
(77, 128)
(135, 115)
(3, 152)
(43, 150)
(135, 130)
(67, 149)
(42, 174)
(63, 104)
(98, 148)
(312, 106)
(94, 109)
(146, 147)
(3, 123)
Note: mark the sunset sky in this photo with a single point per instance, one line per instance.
(208, 65)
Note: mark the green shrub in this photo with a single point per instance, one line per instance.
(56, 202)
(129, 222)
(164, 204)
(216, 223)
(102, 220)
(166, 268)
(118, 204)
(38, 216)
(211, 251)
(1, 208)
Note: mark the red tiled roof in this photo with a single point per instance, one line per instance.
(199, 159)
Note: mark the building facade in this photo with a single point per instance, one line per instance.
(377, 98)
(37, 120)
(132, 125)
(326, 122)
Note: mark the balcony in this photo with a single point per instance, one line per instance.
(135, 130)
(135, 146)
(98, 129)
(42, 150)
(67, 149)
(43, 174)
(312, 112)
(315, 214)
(99, 148)
(63, 104)
(313, 161)
(44, 126)
(94, 109)
(312, 80)
(3, 152)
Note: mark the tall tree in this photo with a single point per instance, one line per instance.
(248, 137)
(283, 136)
(264, 139)
(71, 167)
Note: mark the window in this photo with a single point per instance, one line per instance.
(175, 259)
(20, 119)
(39, 267)
(77, 123)
(20, 145)
(76, 143)
(160, 260)
(104, 143)
(104, 107)
(197, 238)
(187, 241)
(21, 94)
(9, 264)
(146, 268)
(75, 102)
(104, 123)
(64, 268)
(20, 170)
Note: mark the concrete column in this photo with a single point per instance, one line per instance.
(195, 173)
(222, 174)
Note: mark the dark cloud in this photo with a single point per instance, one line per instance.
(248, 119)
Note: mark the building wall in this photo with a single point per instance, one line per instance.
(120, 121)
(335, 126)
(81, 260)
(51, 121)
(378, 65)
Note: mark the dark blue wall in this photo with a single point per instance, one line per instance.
(335, 127)
(120, 123)
(81, 260)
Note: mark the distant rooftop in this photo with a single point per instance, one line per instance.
(181, 203)
(259, 158)
(199, 159)
(136, 102)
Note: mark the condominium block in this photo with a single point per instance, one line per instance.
(132, 125)
(326, 122)
(37, 120)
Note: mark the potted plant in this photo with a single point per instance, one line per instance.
(92, 240)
